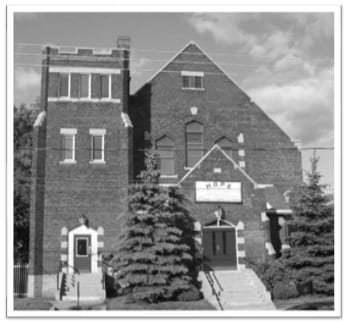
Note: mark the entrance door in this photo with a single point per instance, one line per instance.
(82, 253)
(219, 247)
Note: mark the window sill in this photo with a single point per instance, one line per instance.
(187, 168)
(169, 176)
(197, 89)
(85, 99)
(67, 162)
(97, 162)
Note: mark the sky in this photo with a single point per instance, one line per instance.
(284, 61)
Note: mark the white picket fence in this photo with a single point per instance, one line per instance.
(20, 280)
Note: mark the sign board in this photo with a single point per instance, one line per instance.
(219, 192)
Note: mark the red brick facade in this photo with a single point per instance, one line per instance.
(262, 153)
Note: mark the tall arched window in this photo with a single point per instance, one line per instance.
(194, 143)
(165, 150)
(226, 145)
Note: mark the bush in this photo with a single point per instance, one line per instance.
(284, 290)
(191, 294)
(272, 272)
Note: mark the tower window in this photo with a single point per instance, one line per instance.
(165, 160)
(79, 85)
(97, 145)
(194, 143)
(68, 145)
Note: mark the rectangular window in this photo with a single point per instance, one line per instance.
(192, 80)
(97, 145)
(79, 87)
(64, 85)
(68, 145)
(100, 86)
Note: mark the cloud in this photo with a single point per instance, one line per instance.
(303, 108)
(26, 78)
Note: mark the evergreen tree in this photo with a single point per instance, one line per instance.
(311, 238)
(22, 137)
(152, 259)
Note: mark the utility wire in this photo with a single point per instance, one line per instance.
(229, 54)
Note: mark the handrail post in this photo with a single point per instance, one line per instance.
(78, 294)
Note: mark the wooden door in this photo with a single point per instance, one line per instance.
(82, 253)
(219, 247)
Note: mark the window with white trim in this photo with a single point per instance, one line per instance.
(97, 145)
(67, 148)
(165, 155)
(79, 85)
(101, 86)
(192, 80)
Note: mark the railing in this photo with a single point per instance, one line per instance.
(214, 292)
(60, 288)
(20, 280)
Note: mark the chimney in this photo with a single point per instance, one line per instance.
(123, 43)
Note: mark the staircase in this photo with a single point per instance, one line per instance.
(235, 290)
(85, 289)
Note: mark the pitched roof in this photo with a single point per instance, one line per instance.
(205, 54)
(217, 147)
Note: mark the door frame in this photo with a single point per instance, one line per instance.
(83, 231)
(228, 226)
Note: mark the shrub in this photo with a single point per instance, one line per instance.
(191, 294)
(284, 290)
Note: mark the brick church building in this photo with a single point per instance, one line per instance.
(234, 165)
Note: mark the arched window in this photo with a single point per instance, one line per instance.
(225, 145)
(194, 143)
(165, 151)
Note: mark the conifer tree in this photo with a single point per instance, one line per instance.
(152, 259)
(311, 238)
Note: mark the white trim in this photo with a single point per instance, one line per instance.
(40, 119)
(216, 146)
(240, 240)
(104, 51)
(264, 217)
(268, 206)
(63, 257)
(66, 50)
(283, 211)
(169, 184)
(192, 74)
(241, 153)
(240, 138)
(242, 164)
(270, 249)
(169, 176)
(84, 99)
(261, 186)
(83, 230)
(68, 131)
(126, 120)
(97, 131)
(63, 244)
(78, 69)
(241, 254)
(101, 133)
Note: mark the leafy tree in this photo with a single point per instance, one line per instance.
(311, 238)
(152, 259)
(23, 128)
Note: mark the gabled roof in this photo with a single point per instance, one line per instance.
(205, 54)
(217, 147)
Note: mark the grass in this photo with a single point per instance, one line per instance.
(119, 304)
(31, 304)
(289, 303)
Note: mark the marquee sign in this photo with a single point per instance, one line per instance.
(219, 192)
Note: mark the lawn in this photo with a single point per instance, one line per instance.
(321, 302)
(118, 304)
(31, 304)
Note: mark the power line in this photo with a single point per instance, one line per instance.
(150, 50)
